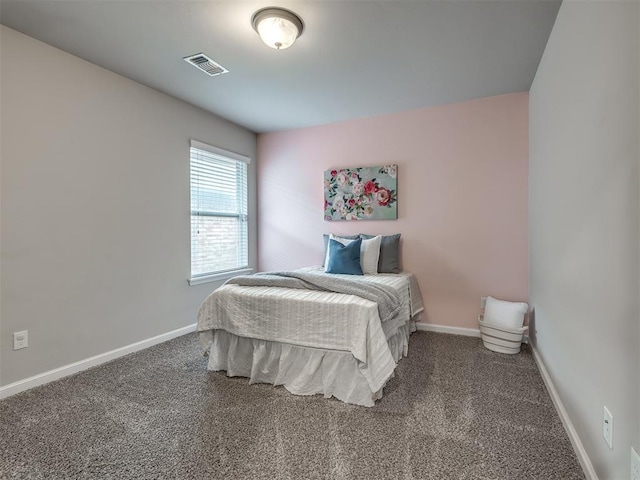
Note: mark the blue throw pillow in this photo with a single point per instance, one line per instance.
(344, 258)
(325, 241)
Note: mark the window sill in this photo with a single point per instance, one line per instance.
(219, 277)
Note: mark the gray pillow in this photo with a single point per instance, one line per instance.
(389, 261)
(325, 239)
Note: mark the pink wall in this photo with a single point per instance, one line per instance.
(462, 198)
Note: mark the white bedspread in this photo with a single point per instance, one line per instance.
(323, 320)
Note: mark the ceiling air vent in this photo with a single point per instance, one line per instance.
(204, 63)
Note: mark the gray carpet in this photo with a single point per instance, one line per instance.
(454, 411)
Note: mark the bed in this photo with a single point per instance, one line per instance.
(312, 332)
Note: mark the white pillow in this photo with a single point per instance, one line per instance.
(506, 314)
(369, 253)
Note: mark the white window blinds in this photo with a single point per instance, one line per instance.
(219, 232)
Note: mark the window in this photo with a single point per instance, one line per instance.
(219, 231)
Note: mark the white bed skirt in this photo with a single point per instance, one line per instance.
(301, 370)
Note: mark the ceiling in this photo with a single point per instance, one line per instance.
(355, 58)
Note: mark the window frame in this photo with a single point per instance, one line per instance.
(218, 275)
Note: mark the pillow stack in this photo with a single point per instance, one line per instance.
(501, 326)
(377, 254)
(389, 260)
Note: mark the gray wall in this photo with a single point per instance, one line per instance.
(95, 207)
(584, 214)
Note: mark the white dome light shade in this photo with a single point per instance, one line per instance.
(277, 27)
(277, 32)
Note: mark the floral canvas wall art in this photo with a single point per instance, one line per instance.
(365, 193)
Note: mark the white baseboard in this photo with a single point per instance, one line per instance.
(57, 373)
(467, 332)
(429, 327)
(581, 453)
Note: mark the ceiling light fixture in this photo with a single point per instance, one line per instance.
(277, 27)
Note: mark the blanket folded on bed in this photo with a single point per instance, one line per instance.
(387, 299)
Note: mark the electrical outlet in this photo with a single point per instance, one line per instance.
(20, 339)
(607, 427)
(635, 465)
(483, 302)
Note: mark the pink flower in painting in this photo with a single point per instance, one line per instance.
(383, 196)
(327, 217)
(351, 216)
(352, 202)
(334, 173)
(342, 179)
(358, 188)
(354, 175)
(326, 204)
(370, 187)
